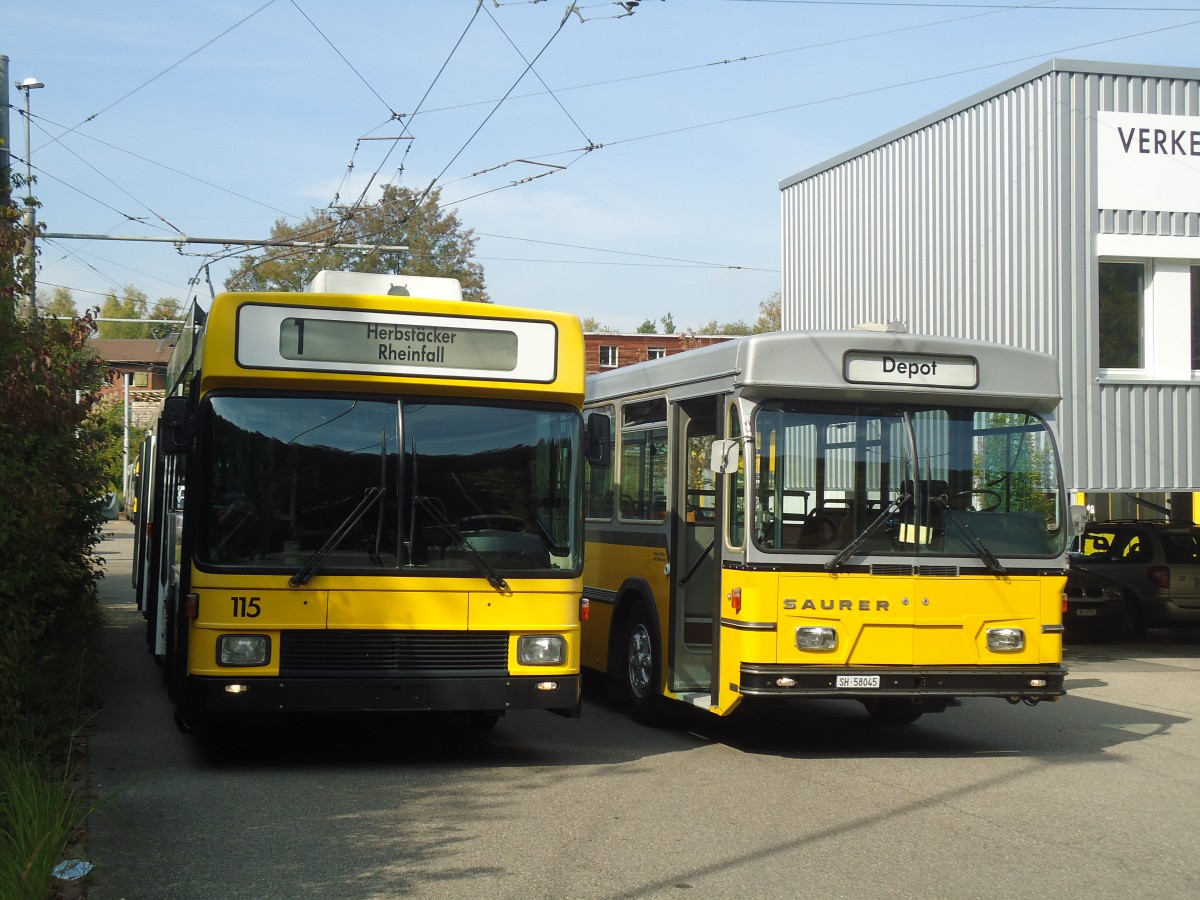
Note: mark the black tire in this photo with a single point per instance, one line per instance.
(893, 710)
(1126, 622)
(476, 721)
(640, 669)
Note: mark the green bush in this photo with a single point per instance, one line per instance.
(51, 480)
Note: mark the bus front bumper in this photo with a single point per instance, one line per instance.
(558, 693)
(1010, 682)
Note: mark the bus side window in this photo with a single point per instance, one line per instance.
(599, 481)
(735, 487)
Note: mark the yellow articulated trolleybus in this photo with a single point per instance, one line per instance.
(368, 502)
(867, 515)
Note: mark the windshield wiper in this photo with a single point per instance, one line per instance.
(838, 561)
(981, 549)
(493, 577)
(309, 569)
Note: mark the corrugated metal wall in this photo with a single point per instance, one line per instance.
(1124, 437)
(947, 228)
(982, 224)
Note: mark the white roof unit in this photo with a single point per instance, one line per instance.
(328, 281)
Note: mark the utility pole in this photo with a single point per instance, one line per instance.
(5, 158)
(30, 310)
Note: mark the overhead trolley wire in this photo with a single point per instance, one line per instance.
(887, 87)
(404, 125)
(167, 168)
(333, 46)
(538, 77)
(755, 56)
(173, 65)
(998, 7)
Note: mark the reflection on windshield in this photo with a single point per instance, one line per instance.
(286, 476)
(848, 481)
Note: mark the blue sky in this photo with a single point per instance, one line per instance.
(214, 118)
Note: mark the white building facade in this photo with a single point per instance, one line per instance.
(1058, 211)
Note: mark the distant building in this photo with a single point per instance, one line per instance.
(608, 350)
(142, 366)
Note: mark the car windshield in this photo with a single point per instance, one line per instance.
(362, 485)
(848, 479)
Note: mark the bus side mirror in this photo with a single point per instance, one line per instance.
(175, 426)
(597, 440)
(725, 456)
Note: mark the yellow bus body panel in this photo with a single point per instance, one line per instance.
(894, 621)
(220, 369)
(608, 566)
(437, 610)
(376, 603)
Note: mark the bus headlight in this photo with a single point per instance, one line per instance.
(243, 650)
(1005, 640)
(541, 650)
(814, 637)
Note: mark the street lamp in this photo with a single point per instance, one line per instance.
(28, 85)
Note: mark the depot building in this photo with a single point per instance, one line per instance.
(1057, 211)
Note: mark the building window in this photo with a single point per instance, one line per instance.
(608, 356)
(141, 379)
(656, 352)
(1196, 318)
(1122, 295)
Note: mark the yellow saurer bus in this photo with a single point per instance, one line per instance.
(368, 502)
(868, 515)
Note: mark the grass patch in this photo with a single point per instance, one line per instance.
(39, 812)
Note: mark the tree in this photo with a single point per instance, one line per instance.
(133, 304)
(130, 305)
(438, 245)
(730, 328)
(668, 324)
(768, 320)
(171, 312)
(61, 304)
(648, 327)
(770, 314)
(592, 325)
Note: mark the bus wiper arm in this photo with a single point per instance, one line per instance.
(845, 553)
(981, 549)
(492, 576)
(309, 569)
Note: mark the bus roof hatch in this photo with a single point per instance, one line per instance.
(329, 281)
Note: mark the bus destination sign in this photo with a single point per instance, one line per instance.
(426, 345)
(923, 370)
(384, 343)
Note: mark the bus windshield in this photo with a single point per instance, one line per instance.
(313, 485)
(889, 480)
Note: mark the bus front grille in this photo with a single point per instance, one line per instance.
(401, 653)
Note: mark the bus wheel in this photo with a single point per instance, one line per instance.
(641, 668)
(187, 721)
(476, 721)
(893, 711)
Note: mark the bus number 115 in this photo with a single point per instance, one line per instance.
(246, 607)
